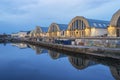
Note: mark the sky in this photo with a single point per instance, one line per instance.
(25, 15)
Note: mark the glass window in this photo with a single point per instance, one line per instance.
(77, 24)
(94, 24)
(100, 25)
(104, 25)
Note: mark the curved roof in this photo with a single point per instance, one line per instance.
(78, 18)
(44, 29)
(59, 27)
(115, 18)
(38, 29)
(32, 32)
(62, 26)
(91, 22)
(98, 23)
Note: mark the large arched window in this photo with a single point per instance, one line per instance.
(53, 28)
(78, 24)
(118, 22)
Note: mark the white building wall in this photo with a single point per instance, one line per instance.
(14, 35)
(22, 34)
(19, 34)
(98, 32)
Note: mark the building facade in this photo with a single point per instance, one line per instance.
(21, 34)
(114, 27)
(39, 32)
(83, 27)
(36, 32)
(57, 30)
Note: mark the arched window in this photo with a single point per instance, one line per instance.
(76, 24)
(118, 22)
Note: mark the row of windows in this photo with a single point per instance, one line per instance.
(100, 25)
(81, 33)
(78, 24)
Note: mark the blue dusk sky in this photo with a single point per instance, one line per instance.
(24, 15)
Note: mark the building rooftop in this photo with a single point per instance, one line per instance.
(44, 29)
(63, 26)
(98, 23)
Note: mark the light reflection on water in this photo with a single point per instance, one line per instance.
(27, 62)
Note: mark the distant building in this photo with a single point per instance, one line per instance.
(84, 27)
(57, 30)
(39, 32)
(14, 35)
(21, 34)
(114, 27)
(36, 32)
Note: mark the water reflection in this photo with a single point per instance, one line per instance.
(115, 72)
(55, 55)
(4, 43)
(82, 63)
(79, 62)
(20, 45)
(37, 49)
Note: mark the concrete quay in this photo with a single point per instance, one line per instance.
(94, 51)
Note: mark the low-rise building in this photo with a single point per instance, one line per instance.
(57, 30)
(21, 34)
(39, 32)
(84, 27)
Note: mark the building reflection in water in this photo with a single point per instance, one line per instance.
(55, 55)
(38, 49)
(80, 63)
(4, 43)
(20, 45)
(77, 62)
(115, 72)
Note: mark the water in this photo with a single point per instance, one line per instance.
(28, 62)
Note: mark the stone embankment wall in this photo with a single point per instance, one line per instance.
(96, 51)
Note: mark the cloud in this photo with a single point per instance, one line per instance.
(44, 12)
(105, 11)
(24, 6)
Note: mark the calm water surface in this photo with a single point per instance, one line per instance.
(27, 62)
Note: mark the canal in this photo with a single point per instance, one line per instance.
(20, 61)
